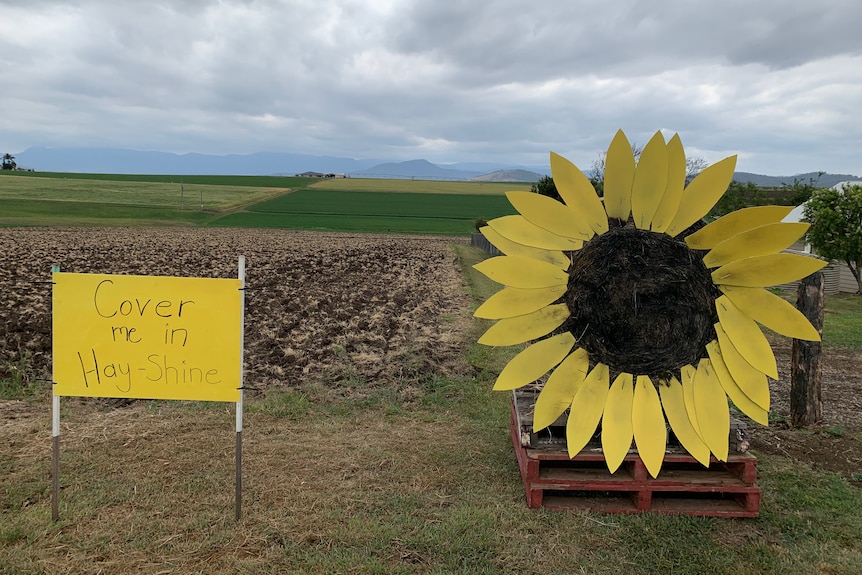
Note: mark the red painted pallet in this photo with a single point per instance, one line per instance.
(554, 481)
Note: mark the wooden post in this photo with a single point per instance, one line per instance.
(806, 405)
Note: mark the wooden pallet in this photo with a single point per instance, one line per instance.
(554, 481)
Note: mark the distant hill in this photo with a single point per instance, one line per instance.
(824, 181)
(516, 175)
(421, 169)
(121, 161)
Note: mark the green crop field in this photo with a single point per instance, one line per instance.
(315, 208)
(317, 201)
(357, 205)
(419, 186)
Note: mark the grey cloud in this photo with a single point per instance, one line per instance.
(449, 81)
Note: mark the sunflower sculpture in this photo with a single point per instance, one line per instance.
(636, 310)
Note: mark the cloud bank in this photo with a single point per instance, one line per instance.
(504, 81)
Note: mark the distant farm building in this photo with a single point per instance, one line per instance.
(320, 175)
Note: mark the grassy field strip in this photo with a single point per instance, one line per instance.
(36, 213)
(842, 322)
(330, 202)
(419, 186)
(236, 181)
(403, 212)
(353, 223)
(400, 206)
(133, 193)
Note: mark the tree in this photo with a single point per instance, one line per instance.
(801, 191)
(836, 226)
(9, 162)
(546, 187)
(693, 166)
(737, 196)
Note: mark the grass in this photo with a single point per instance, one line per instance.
(133, 193)
(54, 213)
(377, 480)
(32, 200)
(378, 211)
(396, 204)
(842, 322)
(353, 205)
(19, 384)
(236, 181)
(345, 223)
(419, 186)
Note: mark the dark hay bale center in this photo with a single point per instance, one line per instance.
(641, 302)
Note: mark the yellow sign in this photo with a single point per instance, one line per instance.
(147, 337)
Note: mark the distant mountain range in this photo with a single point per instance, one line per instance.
(815, 178)
(120, 161)
(421, 169)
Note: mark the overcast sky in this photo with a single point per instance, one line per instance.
(778, 82)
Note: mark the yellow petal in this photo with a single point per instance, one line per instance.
(554, 257)
(772, 311)
(713, 415)
(687, 374)
(521, 272)
(764, 271)
(511, 302)
(515, 330)
(732, 389)
(746, 337)
(750, 380)
(578, 193)
(518, 229)
(617, 421)
(648, 425)
(677, 416)
(587, 409)
(619, 175)
(735, 223)
(560, 389)
(676, 172)
(649, 182)
(768, 239)
(551, 215)
(702, 194)
(534, 362)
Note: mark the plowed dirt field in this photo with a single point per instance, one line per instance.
(320, 307)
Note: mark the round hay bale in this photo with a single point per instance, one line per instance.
(641, 302)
